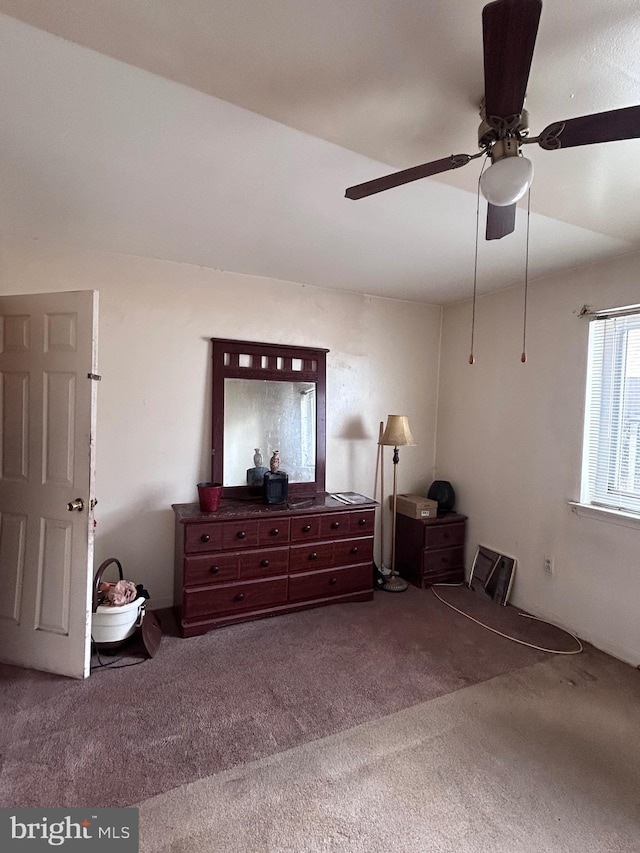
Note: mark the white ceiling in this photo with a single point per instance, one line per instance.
(224, 132)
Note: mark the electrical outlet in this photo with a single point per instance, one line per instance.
(547, 565)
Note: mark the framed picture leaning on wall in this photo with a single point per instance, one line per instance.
(492, 573)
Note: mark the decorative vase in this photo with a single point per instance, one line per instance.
(257, 458)
(275, 462)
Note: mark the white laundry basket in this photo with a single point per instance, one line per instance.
(111, 626)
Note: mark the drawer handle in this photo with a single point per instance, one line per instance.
(214, 570)
(264, 563)
(274, 532)
(335, 525)
(362, 522)
(240, 596)
(241, 535)
(333, 581)
(354, 550)
(205, 537)
(306, 528)
(313, 555)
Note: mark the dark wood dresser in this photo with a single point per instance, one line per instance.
(431, 550)
(249, 559)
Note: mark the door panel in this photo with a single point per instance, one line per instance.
(54, 576)
(15, 431)
(48, 346)
(13, 535)
(59, 421)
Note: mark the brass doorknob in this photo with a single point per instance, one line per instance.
(77, 504)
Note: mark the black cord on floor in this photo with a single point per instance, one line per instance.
(111, 664)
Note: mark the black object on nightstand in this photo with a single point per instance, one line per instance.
(431, 550)
(443, 492)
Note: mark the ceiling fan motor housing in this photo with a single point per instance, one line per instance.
(507, 147)
(497, 129)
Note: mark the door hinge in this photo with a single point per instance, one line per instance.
(95, 376)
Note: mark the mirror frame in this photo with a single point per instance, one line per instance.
(252, 360)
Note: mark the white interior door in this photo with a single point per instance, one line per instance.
(48, 350)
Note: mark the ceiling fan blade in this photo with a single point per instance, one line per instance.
(500, 221)
(387, 182)
(588, 130)
(509, 29)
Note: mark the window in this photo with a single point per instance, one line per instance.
(611, 451)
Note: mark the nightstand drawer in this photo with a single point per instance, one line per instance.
(444, 535)
(456, 576)
(442, 561)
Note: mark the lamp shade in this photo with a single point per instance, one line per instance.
(506, 180)
(397, 432)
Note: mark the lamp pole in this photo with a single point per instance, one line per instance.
(394, 582)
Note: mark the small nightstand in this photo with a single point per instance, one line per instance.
(431, 550)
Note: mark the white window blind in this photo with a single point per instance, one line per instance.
(611, 454)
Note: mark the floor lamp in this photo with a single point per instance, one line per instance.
(380, 473)
(397, 434)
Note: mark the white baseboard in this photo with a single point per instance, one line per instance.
(605, 644)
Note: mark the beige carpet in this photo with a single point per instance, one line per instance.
(544, 759)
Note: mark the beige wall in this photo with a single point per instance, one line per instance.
(509, 435)
(156, 319)
(509, 438)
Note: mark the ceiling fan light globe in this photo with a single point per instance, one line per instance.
(506, 180)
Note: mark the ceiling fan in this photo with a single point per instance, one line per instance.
(509, 30)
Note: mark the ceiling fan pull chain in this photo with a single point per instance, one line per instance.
(523, 357)
(472, 358)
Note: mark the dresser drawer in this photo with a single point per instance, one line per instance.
(444, 535)
(264, 563)
(362, 522)
(240, 534)
(273, 531)
(333, 525)
(210, 568)
(351, 551)
(305, 528)
(330, 582)
(202, 537)
(316, 555)
(232, 598)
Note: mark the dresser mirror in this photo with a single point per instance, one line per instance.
(268, 397)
